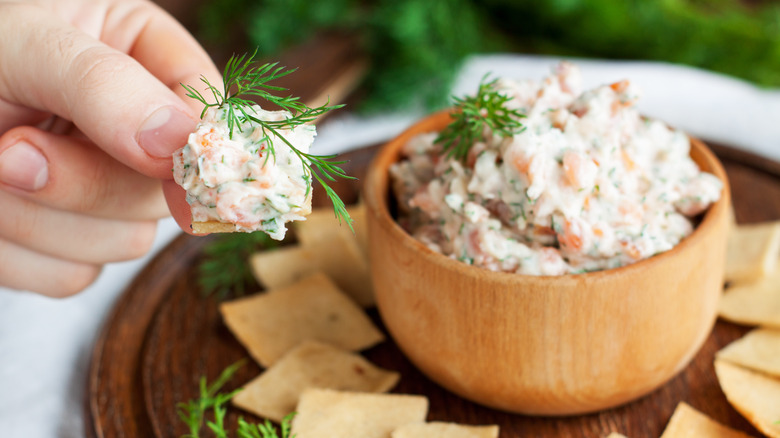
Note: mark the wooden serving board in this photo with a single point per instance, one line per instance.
(162, 336)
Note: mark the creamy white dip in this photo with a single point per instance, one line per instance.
(236, 180)
(589, 184)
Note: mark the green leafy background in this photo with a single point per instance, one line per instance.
(416, 46)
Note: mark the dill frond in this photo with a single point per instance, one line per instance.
(476, 116)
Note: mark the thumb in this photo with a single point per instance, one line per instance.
(107, 94)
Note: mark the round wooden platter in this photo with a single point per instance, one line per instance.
(162, 336)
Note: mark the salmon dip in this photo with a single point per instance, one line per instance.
(588, 184)
(237, 180)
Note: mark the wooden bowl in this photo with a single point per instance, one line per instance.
(544, 345)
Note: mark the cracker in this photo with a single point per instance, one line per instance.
(275, 393)
(687, 422)
(321, 224)
(281, 267)
(444, 430)
(755, 395)
(213, 227)
(616, 435)
(358, 213)
(271, 324)
(759, 350)
(753, 303)
(338, 252)
(753, 251)
(328, 413)
(342, 261)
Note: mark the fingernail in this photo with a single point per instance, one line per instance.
(23, 166)
(165, 131)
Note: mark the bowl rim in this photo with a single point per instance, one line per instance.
(376, 196)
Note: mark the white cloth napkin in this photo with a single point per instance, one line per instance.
(45, 344)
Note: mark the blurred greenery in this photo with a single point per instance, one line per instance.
(416, 46)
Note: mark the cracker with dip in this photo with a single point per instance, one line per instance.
(248, 169)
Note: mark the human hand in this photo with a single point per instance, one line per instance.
(91, 109)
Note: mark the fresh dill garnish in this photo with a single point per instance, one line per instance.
(193, 412)
(478, 116)
(243, 77)
(224, 269)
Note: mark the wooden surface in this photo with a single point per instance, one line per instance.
(162, 336)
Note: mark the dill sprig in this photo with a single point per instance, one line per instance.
(243, 77)
(193, 412)
(475, 117)
(224, 269)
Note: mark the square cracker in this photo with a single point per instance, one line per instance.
(687, 422)
(444, 430)
(321, 224)
(328, 413)
(616, 435)
(338, 252)
(753, 251)
(339, 260)
(756, 396)
(213, 227)
(358, 213)
(758, 350)
(281, 267)
(753, 303)
(275, 393)
(271, 324)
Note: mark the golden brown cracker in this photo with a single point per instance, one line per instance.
(687, 422)
(271, 324)
(753, 251)
(758, 350)
(329, 413)
(444, 430)
(755, 303)
(281, 267)
(275, 393)
(213, 227)
(755, 395)
(340, 254)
